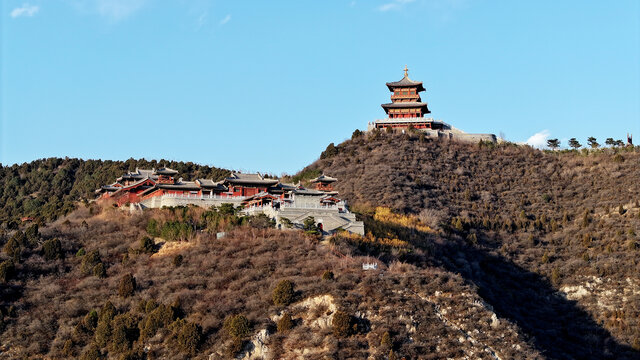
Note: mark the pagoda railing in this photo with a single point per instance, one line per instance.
(338, 206)
(403, 120)
(204, 197)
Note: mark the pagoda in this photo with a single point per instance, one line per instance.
(405, 100)
(406, 109)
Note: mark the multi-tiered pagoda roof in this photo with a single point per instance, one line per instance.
(405, 100)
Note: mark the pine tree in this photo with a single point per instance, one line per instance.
(574, 143)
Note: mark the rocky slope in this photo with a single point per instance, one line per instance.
(551, 239)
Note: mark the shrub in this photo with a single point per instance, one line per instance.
(285, 323)
(237, 326)
(90, 320)
(108, 312)
(124, 333)
(288, 224)
(472, 239)
(283, 294)
(148, 306)
(152, 228)
(89, 261)
(177, 260)
(67, 348)
(386, 340)
(621, 210)
(327, 275)
(310, 227)
(160, 317)
(188, 336)
(342, 324)
(234, 348)
(52, 249)
(127, 285)
(13, 249)
(81, 252)
(392, 355)
(457, 224)
(100, 271)
(32, 235)
(103, 329)
(147, 245)
(92, 353)
(7, 270)
(103, 332)
(356, 134)
(261, 221)
(330, 151)
(545, 258)
(555, 276)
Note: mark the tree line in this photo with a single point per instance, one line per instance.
(591, 141)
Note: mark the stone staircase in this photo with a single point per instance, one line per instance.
(330, 219)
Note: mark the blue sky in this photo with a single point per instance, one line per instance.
(266, 85)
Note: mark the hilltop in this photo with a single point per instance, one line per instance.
(539, 226)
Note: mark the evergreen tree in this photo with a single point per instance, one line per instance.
(283, 294)
(574, 143)
(127, 285)
(52, 249)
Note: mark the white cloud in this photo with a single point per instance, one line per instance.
(25, 10)
(225, 20)
(118, 9)
(394, 5)
(539, 140)
(202, 19)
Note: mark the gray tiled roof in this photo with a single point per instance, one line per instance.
(210, 184)
(183, 185)
(324, 178)
(249, 179)
(166, 171)
(404, 105)
(405, 82)
(206, 182)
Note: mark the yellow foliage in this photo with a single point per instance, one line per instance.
(370, 239)
(384, 214)
(388, 241)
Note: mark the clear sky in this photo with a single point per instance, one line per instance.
(266, 85)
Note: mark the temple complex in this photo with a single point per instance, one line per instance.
(255, 193)
(407, 111)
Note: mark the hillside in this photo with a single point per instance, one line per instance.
(74, 299)
(490, 252)
(552, 239)
(47, 188)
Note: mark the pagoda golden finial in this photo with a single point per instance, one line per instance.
(406, 71)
